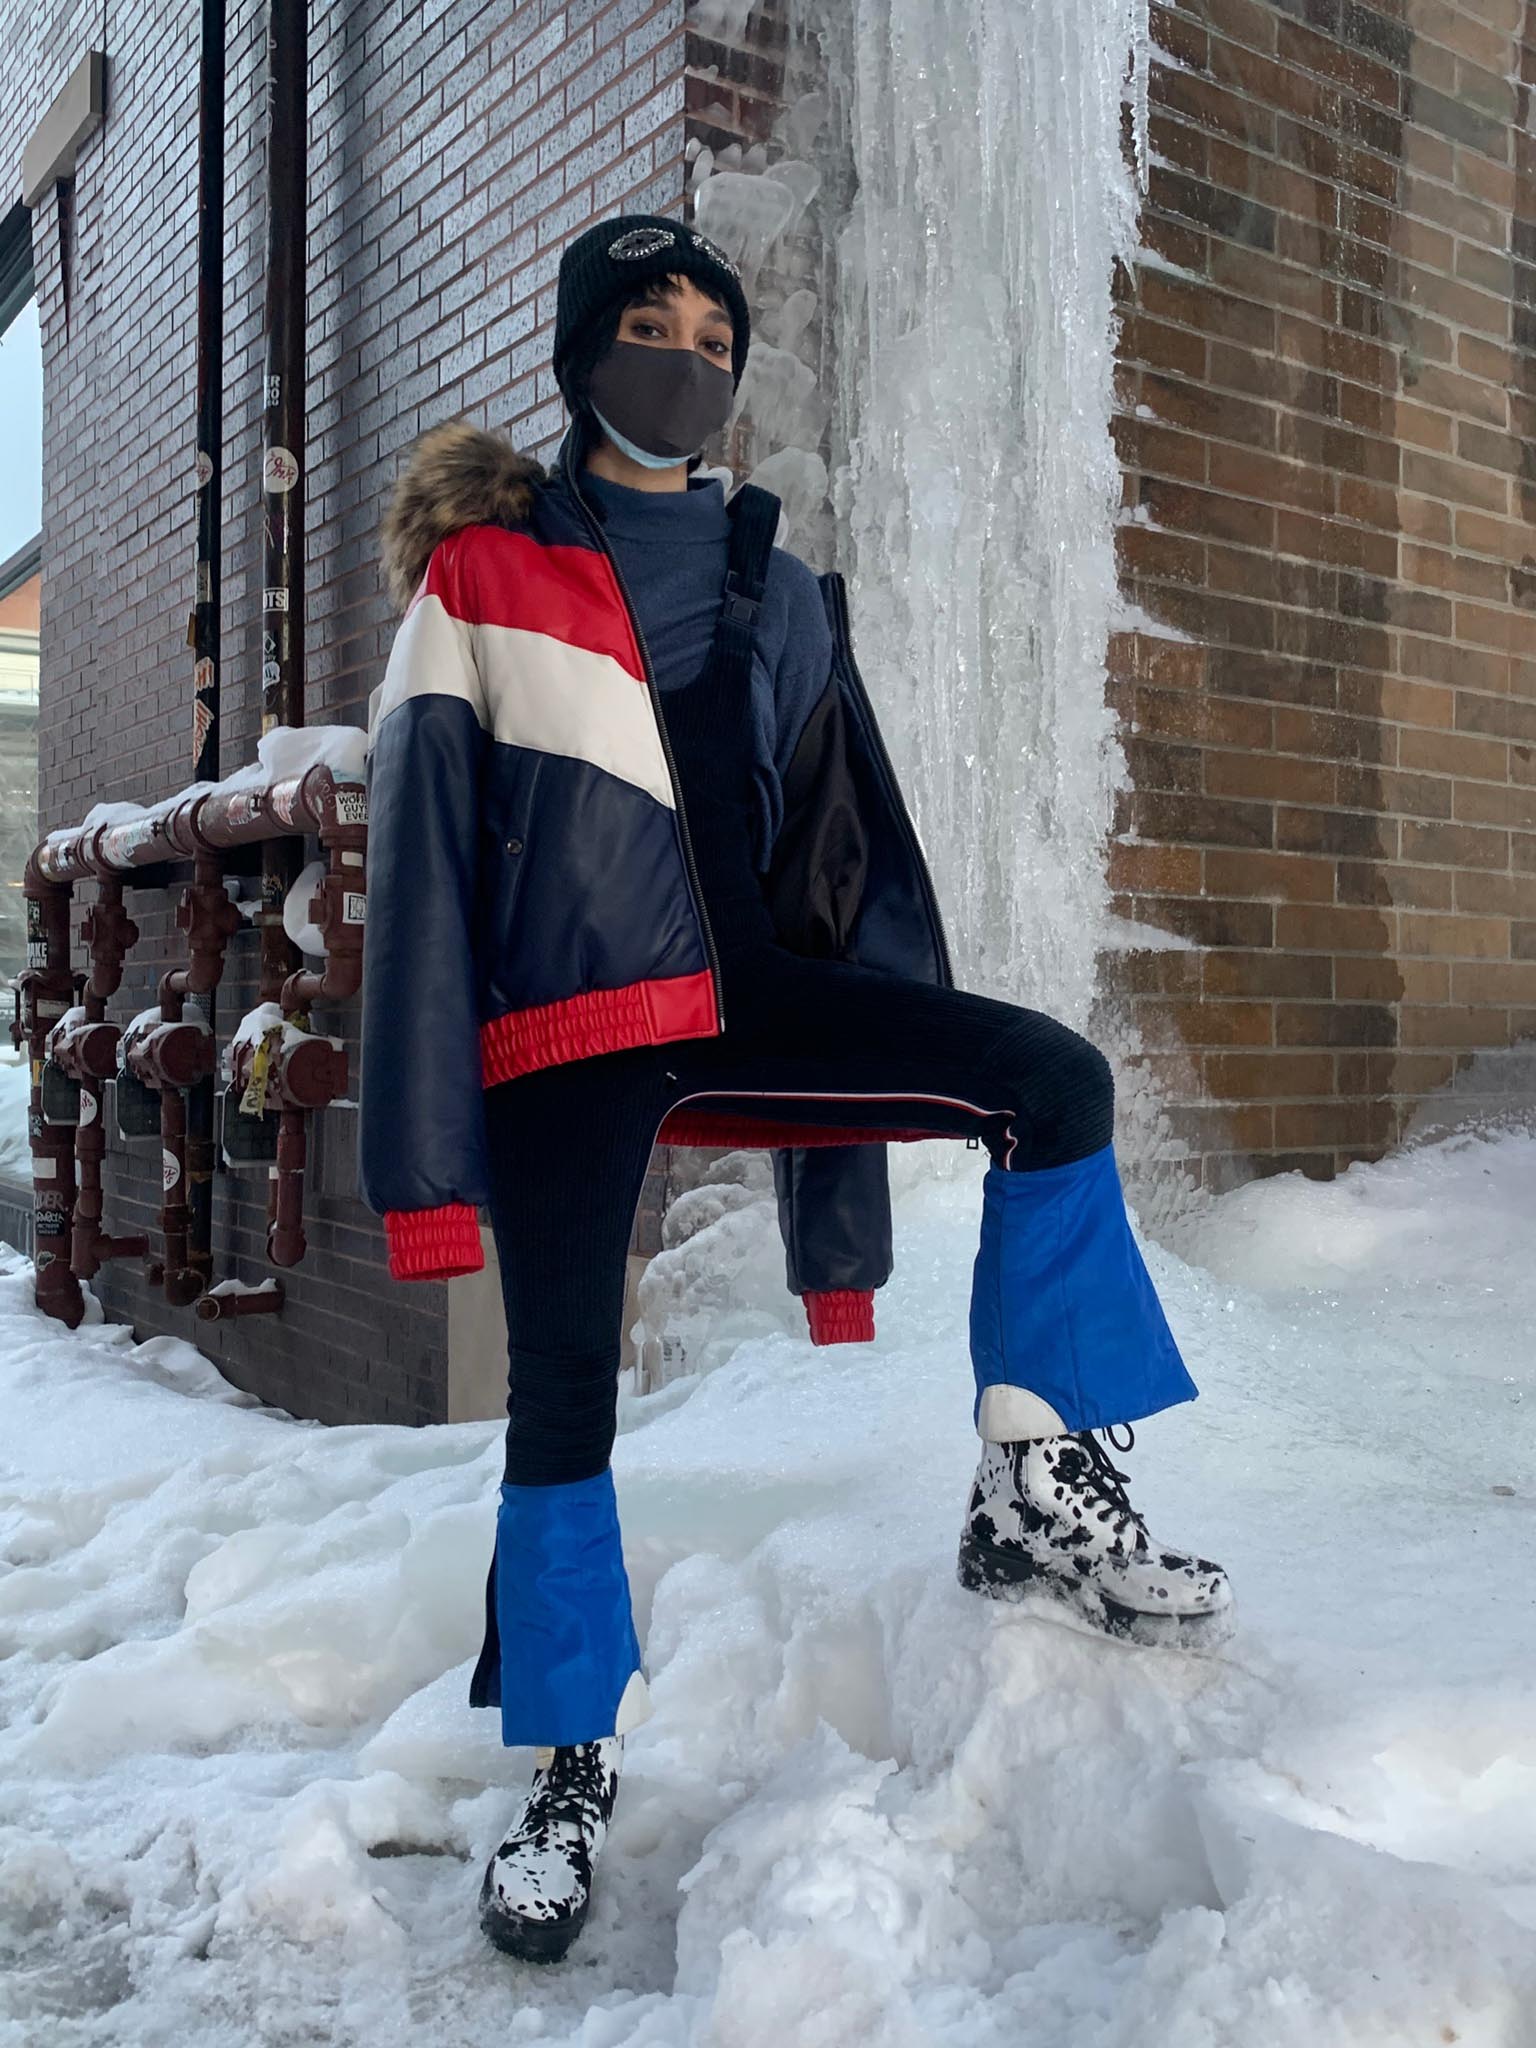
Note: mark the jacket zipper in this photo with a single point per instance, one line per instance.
(695, 887)
(888, 774)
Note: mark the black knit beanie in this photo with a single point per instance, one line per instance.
(604, 265)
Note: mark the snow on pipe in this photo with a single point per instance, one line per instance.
(301, 783)
(238, 1298)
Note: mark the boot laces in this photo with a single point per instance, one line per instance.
(1105, 1476)
(573, 1786)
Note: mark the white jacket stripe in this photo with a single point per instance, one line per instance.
(432, 655)
(528, 689)
(546, 694)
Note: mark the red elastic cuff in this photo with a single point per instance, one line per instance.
(434, 1244)
(841, 1315)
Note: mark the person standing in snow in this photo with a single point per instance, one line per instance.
(635, 844)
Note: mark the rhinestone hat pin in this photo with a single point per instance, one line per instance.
(642, 242)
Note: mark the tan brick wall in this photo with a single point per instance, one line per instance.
(1329, 438)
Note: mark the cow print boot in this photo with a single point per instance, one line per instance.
(1050, 1515)
(536, 1889)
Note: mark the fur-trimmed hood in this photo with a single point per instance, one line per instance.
(456, 475)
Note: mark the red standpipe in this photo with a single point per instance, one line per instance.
(43, 991)
(307, 1072)
(84, 1047)
(177, 1055)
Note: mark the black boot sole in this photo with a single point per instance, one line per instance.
(1000, 1574)
(530, 1941)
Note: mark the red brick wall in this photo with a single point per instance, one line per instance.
(1329, 441)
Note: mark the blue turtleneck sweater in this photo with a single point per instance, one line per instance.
(672, 549)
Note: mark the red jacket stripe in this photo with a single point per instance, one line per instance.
(491, 576)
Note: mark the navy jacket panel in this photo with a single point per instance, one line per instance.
(580, 884)
(421, 1131)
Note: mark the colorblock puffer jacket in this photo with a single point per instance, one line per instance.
(531, 892)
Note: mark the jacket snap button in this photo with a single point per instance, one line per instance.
(514, 846)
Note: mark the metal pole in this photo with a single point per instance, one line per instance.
(282, 461)
(210, 532)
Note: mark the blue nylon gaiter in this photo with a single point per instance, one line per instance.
(1062, 1304)
(568, 1643)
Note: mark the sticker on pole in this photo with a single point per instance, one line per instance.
(170, 1168)
(90, 1106)
(354, 907)
(279, 469)
(204, 468)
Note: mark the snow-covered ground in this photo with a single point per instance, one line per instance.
(242, 1799)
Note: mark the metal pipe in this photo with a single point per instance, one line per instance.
(211, 819)
(210, 394)
(109, 934)
(209, 920)
(217, 1306)
(283, 441)
(43, 991)
(286, 1243)
(207, 584)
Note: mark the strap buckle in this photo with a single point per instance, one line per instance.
(736, 606)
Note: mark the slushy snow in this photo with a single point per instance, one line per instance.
(244, 1799)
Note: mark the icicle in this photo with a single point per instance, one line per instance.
(974, 395)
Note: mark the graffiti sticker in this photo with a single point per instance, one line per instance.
(279, 469)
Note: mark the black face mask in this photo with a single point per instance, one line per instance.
(668, 401)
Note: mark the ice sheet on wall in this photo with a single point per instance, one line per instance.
(966, 165)
(981, 485)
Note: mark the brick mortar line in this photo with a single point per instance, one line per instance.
(1313, 468)
(1203, 846)
(1290, 268)
(1168, 60)
(1155, 581)
(1178, 11)
(1286, 408)
(1207, 183)
(1448, 549)
(1152, 266)
(491, 178)
(1297, 803)
(1397, 673)
(658, 167)
(1289, 165)
(488, 35)
(1308, 465)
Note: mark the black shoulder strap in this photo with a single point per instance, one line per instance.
(754, 522)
